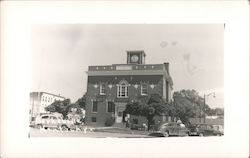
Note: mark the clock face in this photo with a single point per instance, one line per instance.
(134, 58)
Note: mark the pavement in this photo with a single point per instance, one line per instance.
(96, 133)
(121, 131)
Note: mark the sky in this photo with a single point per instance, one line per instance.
(61, 54)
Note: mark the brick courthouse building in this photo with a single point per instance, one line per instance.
(111, 87)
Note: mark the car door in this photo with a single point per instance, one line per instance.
(53, 121)
(177, 129)
(45, 120)
(202, 129)
(172, 129)
(209, 130)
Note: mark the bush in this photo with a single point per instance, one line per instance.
(109, 121)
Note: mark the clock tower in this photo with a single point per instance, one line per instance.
(136, 57)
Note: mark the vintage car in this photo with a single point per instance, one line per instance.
(205, 130)
(170, 129)
(53, 121)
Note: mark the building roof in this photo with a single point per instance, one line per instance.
(47, 93)
(123, 67)
(131, 69)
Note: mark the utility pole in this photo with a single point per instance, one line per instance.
(204, 108)
(200, 113)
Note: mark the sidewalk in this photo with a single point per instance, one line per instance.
(120, 130)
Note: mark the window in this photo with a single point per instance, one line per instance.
(144, 89)
(93, 119)
(122, 90)
(45, 117)
(102, 89)
(94, 106)
(120, 114)
(53, 118)
(111, 107)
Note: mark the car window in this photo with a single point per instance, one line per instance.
(209, 127)
(53, 117)
(169, 125)
(45, 117)
(203, 126)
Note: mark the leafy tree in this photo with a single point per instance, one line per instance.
(81, 102)
(151, 107)
(189, 104)
(59, 106)
(65, 107)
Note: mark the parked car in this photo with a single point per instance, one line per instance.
(204, 130)
(53, 121)
(170, 129)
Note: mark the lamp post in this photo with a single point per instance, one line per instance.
(206, 95)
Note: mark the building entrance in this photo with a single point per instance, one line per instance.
(120, 107)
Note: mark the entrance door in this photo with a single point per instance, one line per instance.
(119, 116)
(120, 107)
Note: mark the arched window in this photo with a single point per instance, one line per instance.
(122, 89)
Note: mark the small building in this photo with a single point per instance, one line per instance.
(111, 87)
(40, 100)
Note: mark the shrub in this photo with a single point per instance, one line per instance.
(110, 121)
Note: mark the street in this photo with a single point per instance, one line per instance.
(56, 133)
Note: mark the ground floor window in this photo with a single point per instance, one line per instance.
(111, 107)
(94, 106)
(93, 119)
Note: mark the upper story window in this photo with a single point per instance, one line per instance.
(102, 89)
(144, 89)
(94, 106)
(122, 89)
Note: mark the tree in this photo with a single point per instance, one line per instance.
(81, 102)
(188, 104)
(60, 107)
(148, 108)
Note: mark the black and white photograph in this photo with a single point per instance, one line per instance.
(136, 79)
(130, 80)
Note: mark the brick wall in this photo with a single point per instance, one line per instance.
(93, 93)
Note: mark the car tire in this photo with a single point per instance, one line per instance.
(64, 128)
(166, 134)
(201, 134)
(39, 126)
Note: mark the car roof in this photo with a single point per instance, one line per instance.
(200, 124)
(48, 115)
